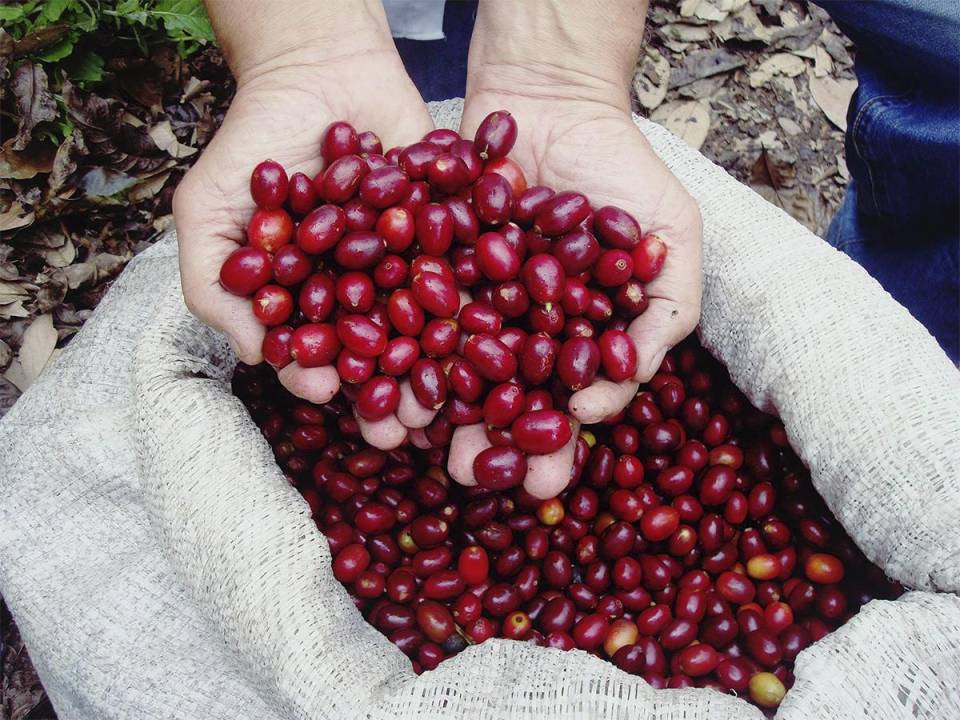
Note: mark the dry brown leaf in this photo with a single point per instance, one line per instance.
(35, 103)
(149, 187)
(164, 222)
(17, 216)
(62, 256)
(162, 135)
(13, 310)
(652, 79)
(690, 120)
(790, 127)
(64, 162)
(842, 170)
(743, 25)
(36, 159)
(81, 275)
(39, 342)
(705, 63)
(778, 64)
(6, 355)
(11, 292)
(684, 33)
(833, 97)
(823, 63)
(193, 86)
(708, 11)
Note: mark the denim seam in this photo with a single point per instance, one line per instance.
(857, 124)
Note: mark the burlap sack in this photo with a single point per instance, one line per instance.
(159, 565)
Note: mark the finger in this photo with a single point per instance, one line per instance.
(419, 439)
(410, 412)
(468, 442)
(385, 434)
(318, 385)
(661, 326)
(601, 400)
(199, 271)
(548, 475)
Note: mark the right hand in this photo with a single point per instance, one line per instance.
(280, 111)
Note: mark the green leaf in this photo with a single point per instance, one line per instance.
(132, 11)
(53, 9)
(184, 19)
(85, 66)
(57, 52)
(9, 13)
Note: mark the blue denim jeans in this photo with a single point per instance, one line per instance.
(901, 216)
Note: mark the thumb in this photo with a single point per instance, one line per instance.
(661, 326)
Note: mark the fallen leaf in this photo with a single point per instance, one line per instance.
(35, 103)
(6, 355)
(833, 97)
(39, 342)
(103, 182)
(704, 63)
(64, 162)
(652, 79)
(710, 12)
(833, 44)
(44, 237)
(783, 64)
(149, 187)
(37, 158)
(162, 135)
(193, 87)
(744, 25)
(690, 120)
(796, 36)
(13, 310)
(81, 275)
(771, 7)
(685, 33)
(39, 39)
(11, 292)
(731, 5)
(790, 127)
(62, 256)
(842, 170)
(17, 216)
(823, 63)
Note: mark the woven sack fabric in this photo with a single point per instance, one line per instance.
(159, 565)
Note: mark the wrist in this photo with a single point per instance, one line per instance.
(267, 39)
(557, 51)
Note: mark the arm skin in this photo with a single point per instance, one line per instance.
(564, 70)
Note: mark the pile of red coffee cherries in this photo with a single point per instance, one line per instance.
(366, 265)
(690, 548)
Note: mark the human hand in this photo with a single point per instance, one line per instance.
(285, 98)
(576, 132)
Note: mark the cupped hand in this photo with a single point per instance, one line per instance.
(280, 113)
(594, 147)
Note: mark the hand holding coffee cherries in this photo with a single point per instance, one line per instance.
(434, 279)
(286, 95)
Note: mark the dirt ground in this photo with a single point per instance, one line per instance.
(759, 86)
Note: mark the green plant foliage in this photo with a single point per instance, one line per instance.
(69, 38)
(53, 31)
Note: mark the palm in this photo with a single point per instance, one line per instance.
(281, 117)
(598, 150)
